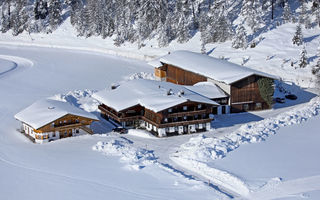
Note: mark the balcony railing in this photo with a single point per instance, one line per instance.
(190, 113)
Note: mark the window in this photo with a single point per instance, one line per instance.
(165, 119)
(185, 108)
(52, 125)
(184, 117)
(246, 106)
(77, 130)
(170, 110)
(258, 106)
(199, 106)
(54, 134)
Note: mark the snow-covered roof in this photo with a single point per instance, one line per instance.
(45, 111)
(150, 94)
(207, 89)
(217, 69)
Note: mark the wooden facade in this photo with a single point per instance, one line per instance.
(189, 113)
(65, 123)
(62, 127)
(244, 94)
(179, 76)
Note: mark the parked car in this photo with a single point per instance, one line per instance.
(291, 96)
(120, 130)
(280, 100)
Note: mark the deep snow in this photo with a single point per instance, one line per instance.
(64, 67)
(69, 169)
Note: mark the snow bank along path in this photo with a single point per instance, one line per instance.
(12, 62)
(114, 52)
(199, 150)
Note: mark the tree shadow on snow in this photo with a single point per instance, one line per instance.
(223, 121)
(309, 39)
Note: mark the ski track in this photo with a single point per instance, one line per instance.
(17, 62)
(86, 181)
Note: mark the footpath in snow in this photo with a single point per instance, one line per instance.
(198, 151)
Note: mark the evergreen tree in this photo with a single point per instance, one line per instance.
(286, 15)
(6, 16)
(251, 11)
(317, 15)
(165, 32)
(298, 37)
(40, 9)
(316, 67)
(55, 14)
(19, 17)
(182, 25)
(240, 38)
(303, 62)
(76, 7)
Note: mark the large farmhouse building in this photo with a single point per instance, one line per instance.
(161, 107)
(242, 85)
(47, 120)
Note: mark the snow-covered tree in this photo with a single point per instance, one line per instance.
(298, 37)
(76, 7)
(286, 15)
(182, 20)
(6, 15)
(165, 32)
(316, 67)
(303, 61)
(19, 17)
(55, 14)
(251, 11)
(240, 39)
(40, 9)
(316, 13)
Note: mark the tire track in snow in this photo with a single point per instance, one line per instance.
(112, 187)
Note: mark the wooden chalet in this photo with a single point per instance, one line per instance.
(48, 120)
(238, 82)
(160, 107)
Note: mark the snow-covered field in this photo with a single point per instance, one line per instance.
(282, 162)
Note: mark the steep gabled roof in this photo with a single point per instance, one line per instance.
(150, 94)
(45, 111)
(217, 69)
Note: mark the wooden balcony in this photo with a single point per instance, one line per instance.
(190, 113)
(116, 117)
(164, 125)
(185, 123)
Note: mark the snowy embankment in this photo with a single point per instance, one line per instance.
(135, 158)
(198, 151)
